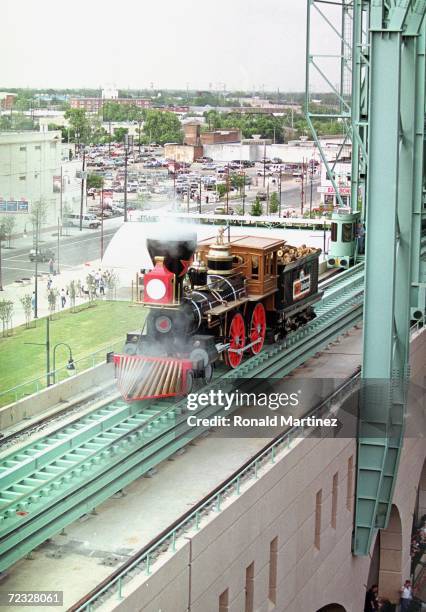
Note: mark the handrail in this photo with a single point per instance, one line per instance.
(144, 557)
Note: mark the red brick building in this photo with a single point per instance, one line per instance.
(93, 105)
(221, 137)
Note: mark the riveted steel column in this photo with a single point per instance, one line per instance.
(392, 189)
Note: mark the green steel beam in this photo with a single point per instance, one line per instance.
(396, 90)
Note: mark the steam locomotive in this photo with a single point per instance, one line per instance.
(216, 300)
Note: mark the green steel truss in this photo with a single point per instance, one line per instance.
(381, 106)
(394, 209)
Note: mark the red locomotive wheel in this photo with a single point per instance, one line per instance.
(257, 328)
(237, 340)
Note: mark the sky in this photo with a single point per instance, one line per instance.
(222, 44)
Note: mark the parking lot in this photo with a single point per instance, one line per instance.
(224, 187)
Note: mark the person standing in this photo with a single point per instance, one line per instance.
(406, 596)
(51, 270)
(63, 298)
(371, 599)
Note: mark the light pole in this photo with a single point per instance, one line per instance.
(36, 267)
(82, 187)
(2, 237)
(59, 226)
(279, 206)
(128, 142)
(227, 189)
(199, 203)
(102, 222)
(244, 193)
(47, 345)
(70, 364)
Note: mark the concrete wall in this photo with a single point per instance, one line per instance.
(61, 392)
(255, 152)
(282, 503)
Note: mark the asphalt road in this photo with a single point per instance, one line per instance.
(73, 250)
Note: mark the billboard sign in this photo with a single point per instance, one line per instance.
(14, 206)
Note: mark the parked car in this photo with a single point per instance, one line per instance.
(41, 255)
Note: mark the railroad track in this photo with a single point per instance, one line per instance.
(49, 483)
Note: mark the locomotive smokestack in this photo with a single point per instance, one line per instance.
(176, 245)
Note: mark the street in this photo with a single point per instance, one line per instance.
(73, 250)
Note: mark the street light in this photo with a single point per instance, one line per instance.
(2, 237)
(128, 142)
(70, 365)
(46, 345)
(36, 266)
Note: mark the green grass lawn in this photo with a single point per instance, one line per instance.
(86, 330)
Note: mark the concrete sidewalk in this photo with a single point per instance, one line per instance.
(15, 292)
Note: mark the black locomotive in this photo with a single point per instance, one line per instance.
(218, 299)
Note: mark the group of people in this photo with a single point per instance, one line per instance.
(418, 542)
(373, 602)
(98, 283)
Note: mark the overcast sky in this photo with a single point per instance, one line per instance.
(167, 43)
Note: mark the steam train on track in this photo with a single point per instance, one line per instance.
(216, 300)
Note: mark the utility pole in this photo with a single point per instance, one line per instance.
(310, 197)
(264, 163)
(244, 193)
(227, 189)
(36, 269)
(82, 188)
(102, 222)
(199, 204)
(280, 191)
(58, 268)
(60, 199)
(128, 142)
(2, 236)
(125, 183)
(187, 197)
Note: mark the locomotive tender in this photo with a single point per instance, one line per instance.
(215, 300)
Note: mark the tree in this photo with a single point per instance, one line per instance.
(38, 215)
(8, 225)
(52, 300)
(119, 134)
(273, 203)
(111, 282)
(91, 287)
(26, 302)
(94, 181)
(221, 189)
(6, 311)
(256, 208)
(79, 123)
(162, 127)
(72, 289)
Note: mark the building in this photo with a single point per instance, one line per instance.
(7, 100)
(93, 105)
(32, 167)
(342, 177)
(221, 137)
